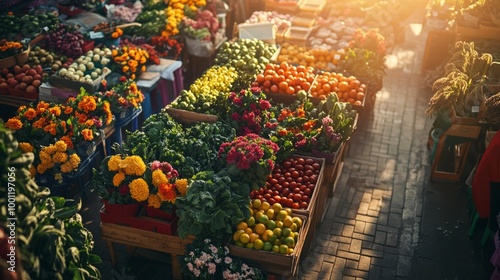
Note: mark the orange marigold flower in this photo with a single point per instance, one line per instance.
(51, 128)
(56, 110)
(167, 192)
(21, 108)
(40, 123)
(68, 110)
(88, 134)
(66, 139)
(88, 104)
(14, 124)
(282, 132)
(30, 114)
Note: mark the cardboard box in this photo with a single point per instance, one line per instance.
(264, 31)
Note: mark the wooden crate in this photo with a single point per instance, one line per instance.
(188, 117)
(137, 238)
(271, 262)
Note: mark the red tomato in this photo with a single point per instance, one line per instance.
(297, 197)
(276, 176)
(285, 184)
(298, 179)
(271, 201)
(307, 191)
(287, 164)
(309, 172)
(279, 188)
(304, 205)
(296, 190)
(301, 161)
(305, 198)
(308, 167)
(295, 205)
(306, 179)
(277, 198)
(285, 191)
(281, 180)
(309, 161)
(252, 195)
(295, 174)
(299, 167)
(274, 181)
(313, 179)
(316, 166)
(267, 196)
(303, 187)
(287, 175)
(276, 193)
(289, 203)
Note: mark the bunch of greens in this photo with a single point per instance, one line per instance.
(188, 149)
(50, 237)
(212, 206)
(152, 23)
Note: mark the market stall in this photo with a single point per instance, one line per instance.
(243, 155)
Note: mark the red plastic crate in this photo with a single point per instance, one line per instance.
(141, 222)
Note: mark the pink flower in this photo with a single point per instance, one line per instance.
(190, 266)
(211, 268)
(228, 260)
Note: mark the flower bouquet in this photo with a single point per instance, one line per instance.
(130, 60)
(249, 159)
(248, 111)
(204, 260)
(119, 181)
(165, 188)
(122, 96)
(167, 47)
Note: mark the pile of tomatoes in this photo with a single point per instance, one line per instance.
(291, 183)
(348, 89)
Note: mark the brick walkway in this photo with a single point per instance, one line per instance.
(371, 229)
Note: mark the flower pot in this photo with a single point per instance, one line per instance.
(123, 210)
(8, 62)
(160, 214)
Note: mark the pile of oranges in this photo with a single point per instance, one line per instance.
(285, 78)
(348, 89)
(269, 228)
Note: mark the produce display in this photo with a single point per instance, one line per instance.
(334, 33)
(27, 25)
(87, 68)
(284, 78)
(281, 21)
(348, 89)
(24, 79)
(208, 92)
(321, 59)
(249, 58)
(65, 40)
(270, 228)
(291, 183)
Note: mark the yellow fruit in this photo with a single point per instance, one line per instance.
(271, 224)
(281, 215)
(283, 249)
(248, 230)
(260, 228)
(258, 244)
(266, 236)
(276, 248)
(277, 231)
(265, 206)
(251, 211)
(264, 219)
(289, 211)
(242, 225)
(259, 214)
(249, 245)
(279, 224)
(237, 233)
(267, 246)
(256, 203)
(244, 238)
(293, 227)
(296, 236)
(290, 250)
(251, 221)
(277, 207)
(286, 232)
(238, 243)
(290, 242)
(277, 241)
(287, 222)
(270, 214)
(297, 221)
(254, 236)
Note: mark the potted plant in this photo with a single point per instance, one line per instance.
(123, 96)
(119, 182)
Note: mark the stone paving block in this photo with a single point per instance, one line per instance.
(367, 219)
(348, 230)
(394, 220)
(351, 264)
(372, 253)
(388, 229)
(348, 277)
(388, 261)
(363, 237)
(403, 266)
(374, 204)
(347, 255)
(370, 228)
(326, 271)
(364, 263)
(344, 246)
(329, 258)
(372, 213)
(380, 237)
(359, 227)
(332, 248)
(375, 273)
(355, 246)
(341, 239)
(366, 244)
(367, 197)
(383, 218)
(356, 272)
(339, 264)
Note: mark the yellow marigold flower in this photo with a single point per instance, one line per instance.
(158, 178)
(26, 147)
(167, 192)
(50, 149)
(66, 167)
(14, 124)
(118, 178)
(74, 159)
(60, 157)
(41, 168)
(44, 157)
(42, 105)
(154, 201)
(21, 108)
(88, 134)
(139, 189)
(30, 114)
(61, 146)
(182, 186)
(133, 165)
(114, 163)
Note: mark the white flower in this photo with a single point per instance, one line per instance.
(214, 249)
(204, 257)
(191, 254)
(218, 260)
(227, 260)
(207, 240)
(198, 262)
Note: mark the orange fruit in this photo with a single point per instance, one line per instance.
(326, 88)
(354, 84)
(353, 93)
(284, 65)
(283, 85)
(290, 90)
(343, 86)
(260, 228)
(360, 96)
(274, 88)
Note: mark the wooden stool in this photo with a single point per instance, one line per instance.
(466, 134)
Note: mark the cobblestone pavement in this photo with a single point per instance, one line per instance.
(386, 219)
